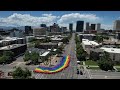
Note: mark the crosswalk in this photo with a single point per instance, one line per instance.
(39, 76)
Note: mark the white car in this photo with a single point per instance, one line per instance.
(78, 62)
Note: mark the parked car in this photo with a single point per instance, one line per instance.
(78, 71)
(81, 73)
(78, 62)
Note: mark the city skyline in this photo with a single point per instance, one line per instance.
(63, 18)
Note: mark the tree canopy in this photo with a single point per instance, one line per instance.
(19, 73)
(105, 62)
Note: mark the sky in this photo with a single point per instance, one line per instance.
(63, 18)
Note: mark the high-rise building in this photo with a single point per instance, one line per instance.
(71, 27)
(43, 25)
(80, 26)
(87, 26)
(98, 26)
(28, 30)
(116, 25)
(93, 26)
(39, 31)
(54, 28)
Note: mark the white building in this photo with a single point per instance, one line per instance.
(12, 40)
(86, 44)
(116, 25)
(98, 26)
(114, 53)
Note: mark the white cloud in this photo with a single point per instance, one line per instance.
(27, 19)
(73, 17)
(107, 26)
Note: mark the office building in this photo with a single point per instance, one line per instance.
(28, 30)
(71, 27)
(39, 31)
(87, 26)
(16, 33)
(116, 25)
(93, 26)
(79, 26)
(54, 28)
(98, 26)
(43, 25)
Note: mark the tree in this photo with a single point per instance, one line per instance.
(4, 59)
(99, 38)
(37, 44)
(34, 57)
(21, 74)
(27, 56)
(105, 62)
(9, 54)
(7, 57)
(65, 40)
(59, 52)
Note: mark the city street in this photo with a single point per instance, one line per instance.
(71, 71)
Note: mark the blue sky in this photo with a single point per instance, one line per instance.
(63, 18)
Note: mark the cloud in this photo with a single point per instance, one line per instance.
(27, 19)
(107, 26)
(73, 17)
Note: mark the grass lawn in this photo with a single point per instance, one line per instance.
(81, 63)
(94, 68)
(118, 69)
(90, 62)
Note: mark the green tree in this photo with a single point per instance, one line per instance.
(105, 62)
(65, 40)
(37, 43)
(99, 39)
(18, 73)
(26, 56)
(4, 59)
(34, 57)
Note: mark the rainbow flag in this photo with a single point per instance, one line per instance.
(50, 70)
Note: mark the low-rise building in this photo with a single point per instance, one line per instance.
(114, 53)
(47, 45)
(87, 36)
(86, 44)
(12, 40)
(16, 48)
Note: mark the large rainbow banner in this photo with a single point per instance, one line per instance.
(50, 70)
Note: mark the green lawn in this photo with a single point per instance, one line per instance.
(81, 63)
(94, 68)
(118, 69)
(90, 62)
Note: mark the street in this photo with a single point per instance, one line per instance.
(71, 71)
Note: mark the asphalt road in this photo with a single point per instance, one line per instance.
(71, 71)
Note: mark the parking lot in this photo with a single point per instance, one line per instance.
(99, 74)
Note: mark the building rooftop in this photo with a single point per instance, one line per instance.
(111, 50)
(87, 34)
(56, 38)
(44, 54)
(48, 43)
(87, 42)
(11, 46)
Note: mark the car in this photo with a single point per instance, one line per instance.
(81, 73)
(78, 71)
(78, 62)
